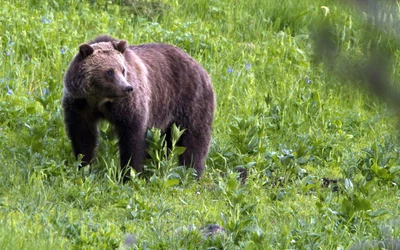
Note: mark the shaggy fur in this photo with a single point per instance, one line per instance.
(136, 88)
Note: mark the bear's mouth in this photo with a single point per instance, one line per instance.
(111, 97)
(103, 100)
(118, 94)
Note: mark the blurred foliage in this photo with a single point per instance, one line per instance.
(294, 109)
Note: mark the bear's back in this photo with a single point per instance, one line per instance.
(162, 53)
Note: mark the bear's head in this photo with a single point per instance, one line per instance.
(99, 72)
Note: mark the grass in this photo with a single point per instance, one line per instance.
(284, 115)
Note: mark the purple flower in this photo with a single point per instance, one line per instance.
(8, 53)
(9, 92)
(248, 66)
(129, 241)
(62, 51)
(230, 70)
(45, 20)
(308, 81)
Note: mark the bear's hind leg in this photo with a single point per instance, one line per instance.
(196, 145)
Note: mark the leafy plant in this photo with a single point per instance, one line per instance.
(163, 168)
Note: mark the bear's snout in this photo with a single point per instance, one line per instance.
(128, 89)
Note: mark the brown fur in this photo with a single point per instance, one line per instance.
(136, 88)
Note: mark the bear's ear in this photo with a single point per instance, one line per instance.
(121, 45)
(85, 50)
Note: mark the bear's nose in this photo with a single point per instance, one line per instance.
(128, 89)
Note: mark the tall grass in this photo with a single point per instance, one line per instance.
(282, 114)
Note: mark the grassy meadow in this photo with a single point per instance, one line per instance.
(321, 150)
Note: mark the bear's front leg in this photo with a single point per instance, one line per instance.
(81, 128)
(132, 145)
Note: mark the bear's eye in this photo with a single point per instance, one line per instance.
(123, 72)
(110, 72)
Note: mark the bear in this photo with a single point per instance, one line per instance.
(134, 88)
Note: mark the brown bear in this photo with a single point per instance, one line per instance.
(136, 88)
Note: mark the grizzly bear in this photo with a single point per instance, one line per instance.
(136, 88)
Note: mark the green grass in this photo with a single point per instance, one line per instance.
(284, 115)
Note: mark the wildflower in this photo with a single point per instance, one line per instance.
(248, 66)
(9, 92)
(11, 43)
(230, 70)
(308, 81)
(45, 20)
(8, 53)
(62, 51)
(27, 58)
(129, 241)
